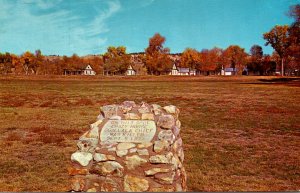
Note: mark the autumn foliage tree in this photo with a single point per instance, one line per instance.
(5, 63)
(278, 39)
(210, 60)
(190, 58)
(27, 60)
(116, 61)
(294, 38)
(256, 59)
(234, 57)
(156, 59)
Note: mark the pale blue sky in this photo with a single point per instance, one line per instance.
(65, 27)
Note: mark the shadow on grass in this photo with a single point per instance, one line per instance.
(277, 81)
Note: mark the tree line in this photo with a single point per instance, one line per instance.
(157, 59)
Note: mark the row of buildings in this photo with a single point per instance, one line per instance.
(175, 71)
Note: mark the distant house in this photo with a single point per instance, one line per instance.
(228, 71)
(85, 70)
(177, 71)
(130, 71)
(88, 70)
(245, 71)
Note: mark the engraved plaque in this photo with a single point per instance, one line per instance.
(128, 131)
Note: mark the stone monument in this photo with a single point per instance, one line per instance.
(130, 148)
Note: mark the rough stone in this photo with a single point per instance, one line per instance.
(142, 152)
(181, 154)
(170, 109)
(125, 146)
(126, 109)
(77, 171)
(177, 144)
(100, 117)
(88, 141)
(161, 145)
(86, 146)
(175, 162)
(166, 121)
(143, 110)
(147, 116)
(108, 144)
(135, 184)
(92, 190)
(132, 116)
(95, 126)
(176, 131)
(115, 117)
(109, 110)
(178, 124)
(156, 109)
(166, 135)
(93, 133)
(98, 157)
(110, 157)
(162, 189)
(133, 150)
(112, 149)
(158, 159)
(134, 161)
(127, 106)
(129, 103)
(109, 167)
(109, 185)
(165, 178)
(155, 106)
(178, 187)
(157, 112)
(77, 184)
(83, 158)
(154, 171)
(121, 153)
(144, 145)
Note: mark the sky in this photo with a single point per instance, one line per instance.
(65, 27)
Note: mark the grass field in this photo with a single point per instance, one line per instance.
(239, 133)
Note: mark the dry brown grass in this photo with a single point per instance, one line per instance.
(239, 133)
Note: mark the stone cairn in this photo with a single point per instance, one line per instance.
(130, 148)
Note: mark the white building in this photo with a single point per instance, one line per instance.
(182, 71)
(130, 71)
(228, 71)
(88, 70)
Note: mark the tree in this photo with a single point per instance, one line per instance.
(256, 52)
(210, 60)
(16, 63)
(294, 37)
(39, 63)
(278, 39)
(268, 65)
(156, 59)
(190, 58)
(5, 63)
(234, 57)
(116, 61)
(27, 60)
(256, 57)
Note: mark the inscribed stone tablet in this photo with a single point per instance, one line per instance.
(128, 131)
